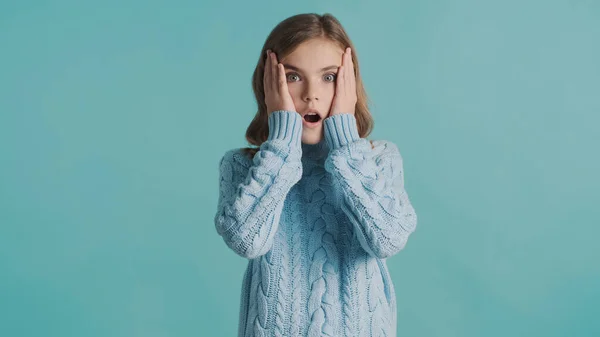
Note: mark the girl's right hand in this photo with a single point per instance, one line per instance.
(277, 95)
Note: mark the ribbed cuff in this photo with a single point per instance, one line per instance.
(285, 125)
(340, 130)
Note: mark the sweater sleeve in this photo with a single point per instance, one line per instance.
(372, 182)
(252, 191)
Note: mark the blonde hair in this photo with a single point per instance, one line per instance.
(282, 40)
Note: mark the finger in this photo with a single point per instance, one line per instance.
(281, 79)
(267, 73)
(350, 73)
(348, 56)
(348, 59)
(274, 71)
(350, 62)
(340, 81)
(346, 67)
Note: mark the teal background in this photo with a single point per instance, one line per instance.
(114, 114)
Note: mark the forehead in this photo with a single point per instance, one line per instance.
(315, 54)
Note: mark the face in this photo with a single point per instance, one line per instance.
(311, 71)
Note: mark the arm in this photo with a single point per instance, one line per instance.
(372, 183)
(252, 193)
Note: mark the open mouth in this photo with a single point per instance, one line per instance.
(312, 117)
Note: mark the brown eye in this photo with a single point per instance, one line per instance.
(330, 77)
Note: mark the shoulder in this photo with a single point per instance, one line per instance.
(237, 157)
(385, 148)
(387, 156)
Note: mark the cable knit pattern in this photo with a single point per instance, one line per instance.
(282, 291)
(316, 223)
(373, 184)
(295, 303)
(322, 277)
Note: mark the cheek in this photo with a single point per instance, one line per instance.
(326, 91)
(329, 91)
(295, 91)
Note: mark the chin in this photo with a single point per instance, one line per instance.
(311, 138)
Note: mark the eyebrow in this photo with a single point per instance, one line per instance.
(289, 66)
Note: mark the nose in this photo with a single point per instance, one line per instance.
(310, 93)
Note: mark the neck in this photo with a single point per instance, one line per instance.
(316, 151)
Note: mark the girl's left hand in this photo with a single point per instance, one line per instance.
(344, 100)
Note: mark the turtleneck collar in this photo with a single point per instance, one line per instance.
(316, 151)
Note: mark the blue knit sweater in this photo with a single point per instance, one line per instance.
(316, 222)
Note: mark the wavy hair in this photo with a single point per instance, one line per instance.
(283, 40)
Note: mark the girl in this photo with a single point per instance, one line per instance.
(315, 207)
